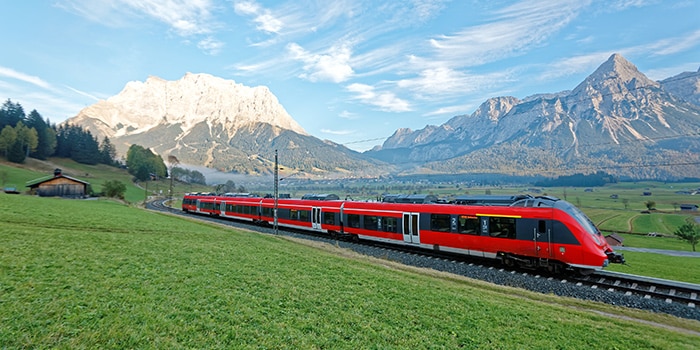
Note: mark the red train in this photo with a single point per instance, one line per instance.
(535, 232)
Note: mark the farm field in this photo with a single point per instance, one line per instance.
(98, 274)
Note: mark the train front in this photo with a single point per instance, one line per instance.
(591, 232)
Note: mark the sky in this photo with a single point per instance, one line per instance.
(349, 71)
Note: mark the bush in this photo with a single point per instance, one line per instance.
(114, 188)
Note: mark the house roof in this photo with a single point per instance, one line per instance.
(41, 180)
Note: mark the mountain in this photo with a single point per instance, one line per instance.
(217, 123)
(685, 85)
(616, 120)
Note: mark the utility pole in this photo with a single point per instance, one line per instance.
(276, 191)
(173, 162)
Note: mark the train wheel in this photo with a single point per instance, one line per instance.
(555, 268)
(585, 272)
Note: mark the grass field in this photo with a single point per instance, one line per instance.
(18, 175)
(97, 274)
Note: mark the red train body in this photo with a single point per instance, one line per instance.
(537, 232)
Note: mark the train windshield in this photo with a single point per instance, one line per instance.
(582, 219)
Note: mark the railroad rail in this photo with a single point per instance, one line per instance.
(672, 297)
(646, 287)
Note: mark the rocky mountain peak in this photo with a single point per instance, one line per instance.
(617, 70)
(187, 102)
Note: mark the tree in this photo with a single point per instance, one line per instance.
(74, 142)
(690, 233)
(108, 153)
(142, 163)
(16, 153)
(650, 204)
(11, 114)
(114, 189)
(8, 136)
(27, 138)
(46, 136)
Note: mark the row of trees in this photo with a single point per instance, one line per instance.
(23, 136)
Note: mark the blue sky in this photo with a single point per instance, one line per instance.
(351, 71)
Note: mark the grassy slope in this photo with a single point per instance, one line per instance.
(19, 174)
(120, 277)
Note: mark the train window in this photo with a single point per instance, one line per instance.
(293, 214)
(304, 215)
(268, 211)
(389, 224)
(468, 224)
(440, 222)
(328, 218)
(353, 220)
(541, 226)
(371, 223)
(502, 227)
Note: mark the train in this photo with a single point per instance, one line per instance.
(541, 232)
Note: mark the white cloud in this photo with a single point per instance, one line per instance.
(185, 17)
(264, 18)
(385, 101)
(13, 74)
(337, 132)
(332, 65)
(451, 110)
(514, 30)
(348, 115)
(573, 65)
(675, 45)
(210, 45)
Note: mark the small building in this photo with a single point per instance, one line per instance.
(58, 185)
(689, 207)
(614, 240)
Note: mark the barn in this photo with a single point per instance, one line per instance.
(58, 185)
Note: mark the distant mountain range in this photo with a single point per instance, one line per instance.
(617, 120)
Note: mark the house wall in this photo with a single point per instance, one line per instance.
(61, 187)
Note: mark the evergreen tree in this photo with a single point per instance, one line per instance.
(108, 153)
(75, 143)
(16, 153)
(11, 114)
(46, 135)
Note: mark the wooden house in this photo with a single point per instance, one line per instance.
(58, 185)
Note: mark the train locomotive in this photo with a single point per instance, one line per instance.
(535, 232)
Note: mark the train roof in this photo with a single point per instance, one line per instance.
(409, 198)
(320, 197)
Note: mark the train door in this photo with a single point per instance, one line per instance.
(316, 218)
(543, 239)
(197, 206)
(411, 232)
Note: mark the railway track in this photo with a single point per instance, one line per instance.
(646, 287)
(676, 298)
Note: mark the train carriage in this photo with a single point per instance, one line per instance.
(528, 231)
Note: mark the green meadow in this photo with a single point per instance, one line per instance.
(99, 274)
